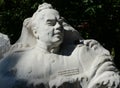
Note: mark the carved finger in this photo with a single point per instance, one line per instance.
(87, 42)
(91, 43)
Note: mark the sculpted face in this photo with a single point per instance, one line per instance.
(49, 26)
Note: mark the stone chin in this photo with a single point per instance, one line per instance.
(57, 39)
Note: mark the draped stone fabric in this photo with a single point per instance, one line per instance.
(88, 68)
(56, 60)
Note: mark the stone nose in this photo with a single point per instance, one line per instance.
(57, 26)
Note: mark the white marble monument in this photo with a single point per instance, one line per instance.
(46, 56)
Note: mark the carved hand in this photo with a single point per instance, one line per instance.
(96, 46)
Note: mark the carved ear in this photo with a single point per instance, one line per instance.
(35, 34)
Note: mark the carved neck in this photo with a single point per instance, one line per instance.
(46, 47)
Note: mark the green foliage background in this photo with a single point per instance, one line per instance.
(96, 19)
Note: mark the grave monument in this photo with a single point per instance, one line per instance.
(51, 54)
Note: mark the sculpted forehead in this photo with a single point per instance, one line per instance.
(50, 14)
(44, 15)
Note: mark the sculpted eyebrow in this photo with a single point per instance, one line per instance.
(51, 20)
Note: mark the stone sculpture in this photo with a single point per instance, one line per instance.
(47, 56)
(4, 44)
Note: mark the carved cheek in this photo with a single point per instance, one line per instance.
(50, 31)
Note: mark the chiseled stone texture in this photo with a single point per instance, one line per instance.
(4, 44)
(51, 54)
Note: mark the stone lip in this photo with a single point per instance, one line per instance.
(4, 44)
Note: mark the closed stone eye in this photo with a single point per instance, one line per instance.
(51, 22)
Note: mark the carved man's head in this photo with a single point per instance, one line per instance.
(46, 25)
